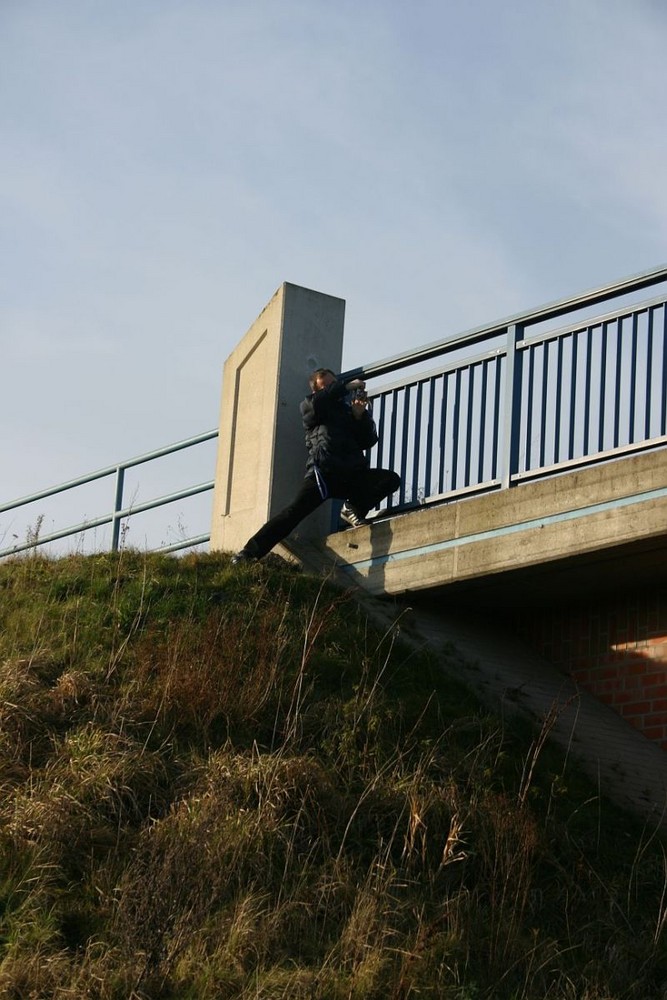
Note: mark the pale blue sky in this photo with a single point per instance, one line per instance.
(166, 165)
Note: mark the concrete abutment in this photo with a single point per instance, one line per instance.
(261, 452)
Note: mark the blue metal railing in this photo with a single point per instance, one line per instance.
(120, 512)
(534, 401)
(507, 402)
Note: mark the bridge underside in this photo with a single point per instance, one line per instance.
(637, 564)
(574, 534)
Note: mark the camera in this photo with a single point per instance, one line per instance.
(360, 394)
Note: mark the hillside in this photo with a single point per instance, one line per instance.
(227, 783)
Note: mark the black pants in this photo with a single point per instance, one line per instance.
(362, 491)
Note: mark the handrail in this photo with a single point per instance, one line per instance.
(110, 470)
(533, 403)
(114, 517)
(119, 512)
(540, 314)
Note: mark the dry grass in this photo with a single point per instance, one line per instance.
(225, 784)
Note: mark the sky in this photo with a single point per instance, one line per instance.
(166, 164)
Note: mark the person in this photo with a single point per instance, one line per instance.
(339, 430)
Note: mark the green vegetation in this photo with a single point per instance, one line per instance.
(228, 783)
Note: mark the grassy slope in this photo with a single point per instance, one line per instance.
(226, 783)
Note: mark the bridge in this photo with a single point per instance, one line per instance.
(534, 489)
(530, 528)
(562, 389)
(532, 455)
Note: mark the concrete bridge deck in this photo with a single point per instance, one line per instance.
(593, 527)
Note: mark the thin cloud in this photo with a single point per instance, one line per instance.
(165, 166)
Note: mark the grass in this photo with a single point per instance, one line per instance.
(223, 782)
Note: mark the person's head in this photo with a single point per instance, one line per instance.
(321, 378)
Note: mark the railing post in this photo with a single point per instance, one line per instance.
(117, 508)
(509, 456)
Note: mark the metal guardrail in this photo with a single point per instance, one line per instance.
(510, 401)
(534, 401)
(119, 512)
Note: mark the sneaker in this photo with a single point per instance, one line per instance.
(242, 557)
(351, 518)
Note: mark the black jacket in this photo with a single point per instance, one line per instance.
(335, 439)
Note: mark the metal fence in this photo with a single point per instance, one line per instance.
(534, 401)
(120, 511)
(508, 402)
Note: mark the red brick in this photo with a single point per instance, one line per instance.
(652, 680)
(637, 708)
(605, 657)
(623, 698)
(615, 685)
(655, 733)
(605, 672)
(655, 719)
(635, 667)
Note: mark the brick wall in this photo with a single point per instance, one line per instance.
(616, 649)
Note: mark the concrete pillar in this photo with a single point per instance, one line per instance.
(261, 447)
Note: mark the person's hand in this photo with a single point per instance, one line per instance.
(359, 407)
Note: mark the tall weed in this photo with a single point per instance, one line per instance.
(221, 783)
